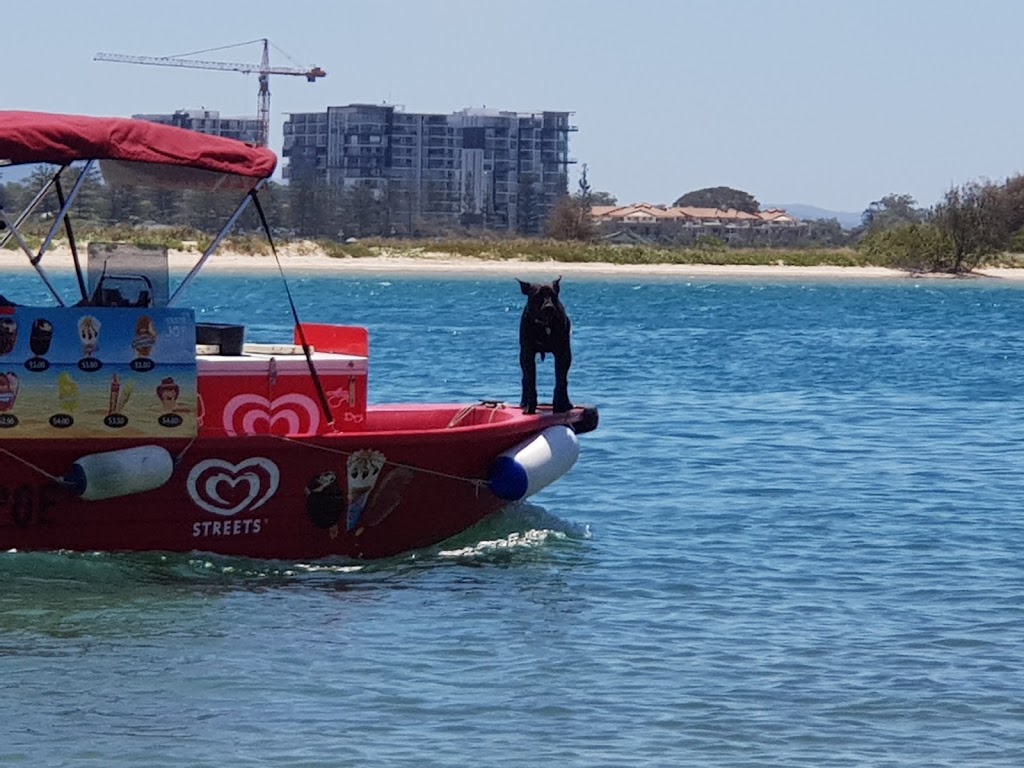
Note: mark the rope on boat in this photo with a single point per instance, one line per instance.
(61, 480)
(30, 465)
(492, 405)
(325, 405)
(477, 483)
(458, 417)
(183, 451)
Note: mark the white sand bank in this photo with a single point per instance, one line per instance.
(297, 259)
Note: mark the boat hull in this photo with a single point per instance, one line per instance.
(415, 476)
(125, 425)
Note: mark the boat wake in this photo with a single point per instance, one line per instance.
(518, 529)
(521, 532)
(528, 540)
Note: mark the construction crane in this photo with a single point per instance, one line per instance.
(263, 70)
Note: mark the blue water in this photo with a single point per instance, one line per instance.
(796, 539)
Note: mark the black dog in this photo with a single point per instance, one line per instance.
(544, 328)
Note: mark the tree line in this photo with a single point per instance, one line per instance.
(298, 210)
(306, 208)
(969, 225)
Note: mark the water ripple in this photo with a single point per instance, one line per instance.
(794, 540)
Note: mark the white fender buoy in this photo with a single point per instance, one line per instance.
(120, 473)
(534, 464)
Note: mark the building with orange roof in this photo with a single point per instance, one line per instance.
(645, 222)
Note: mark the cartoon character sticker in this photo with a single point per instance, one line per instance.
(325, 500)
(370, 496)
(363, 469)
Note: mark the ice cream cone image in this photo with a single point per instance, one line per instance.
(89, 333)
(145, 336)
(115, 393)
(363, 470)
(8, 335)
(41, 336)
(168, 393)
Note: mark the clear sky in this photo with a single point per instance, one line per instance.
(833, 103)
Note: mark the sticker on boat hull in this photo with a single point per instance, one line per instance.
(325, 499)
(227, 489)
(362, 495)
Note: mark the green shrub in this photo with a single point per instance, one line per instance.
(914, 248)
(710, 243)
(1016, 244)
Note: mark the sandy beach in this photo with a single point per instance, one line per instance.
(304, 259)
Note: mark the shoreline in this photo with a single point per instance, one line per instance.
(297, 261)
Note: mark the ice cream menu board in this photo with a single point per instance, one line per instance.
(97, 372)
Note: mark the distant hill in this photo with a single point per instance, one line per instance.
(846, 219)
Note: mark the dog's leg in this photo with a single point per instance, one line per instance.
(528, 362)
(561, 402)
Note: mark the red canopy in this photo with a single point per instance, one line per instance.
(40, 137)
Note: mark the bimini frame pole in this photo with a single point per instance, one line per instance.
(213, 246)
(28, 252)
(62, 218)
(29, 208)
(71, 242)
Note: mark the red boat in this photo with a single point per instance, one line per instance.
(127, 426)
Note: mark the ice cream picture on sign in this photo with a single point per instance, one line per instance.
(120, 394)
(67, 393)
(41, 336)
(145, 336)
(89, 333)
(8, 335)
(168, 392)
(8, 390)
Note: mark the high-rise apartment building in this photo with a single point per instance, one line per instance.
(210, 122)
(491, 168)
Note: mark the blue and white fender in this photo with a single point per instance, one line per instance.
(534, 464)
(120, 473)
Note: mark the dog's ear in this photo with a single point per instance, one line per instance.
(524, 287)
(557, 284)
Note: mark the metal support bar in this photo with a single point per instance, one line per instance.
(28, 252)
(31, 206)
(63, 210)
(71, 242)
(213, 246)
